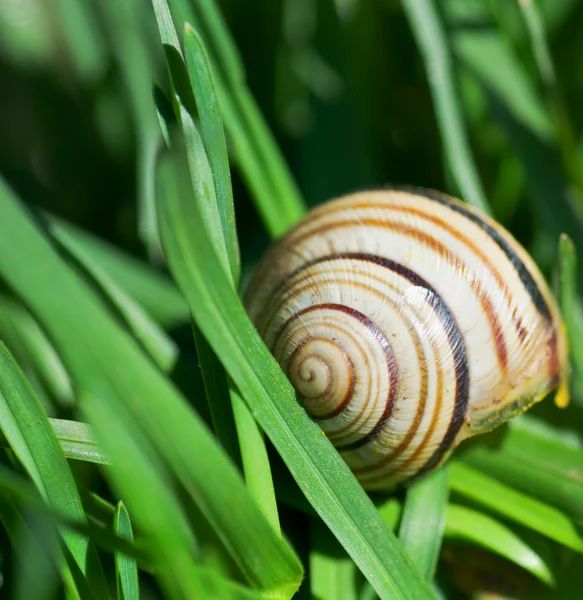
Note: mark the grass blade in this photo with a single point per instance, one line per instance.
(150, 289)
(570, 306)
(27, 429)
(214, 200)
(432, 42)
(78, 441)
(267, 176)
(332, 573)
(31, 346)
(514, 505)
(155, 341)
(563, 127)
(126, 571)
(318, 469)
(203, 86)
(468, 524)
(423, 520)
(255, 460)
(141, 401)
(530, 460)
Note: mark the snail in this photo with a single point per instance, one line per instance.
(407, 322)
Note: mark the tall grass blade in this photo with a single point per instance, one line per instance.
(318, 469)
(201, 80)
(423, 520)
(267, 176)
(432, 42)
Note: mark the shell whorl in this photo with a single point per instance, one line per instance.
(406, 322)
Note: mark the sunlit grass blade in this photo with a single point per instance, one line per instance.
(126, 395)
(149, 288)
(126, 571)
(214, 200)
(255, 460)
(423, 520)
(203, 87)
(465, 523)
(332, 573)
(532, 461)
(432, 42)
(318, 469)
(570, 305)
(514, 505)
(30, 436)
(29, 343)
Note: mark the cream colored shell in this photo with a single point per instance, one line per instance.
(406, 322)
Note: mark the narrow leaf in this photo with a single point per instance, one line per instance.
(126, 571)
(423, 520)
(318, 469)
(432, 41)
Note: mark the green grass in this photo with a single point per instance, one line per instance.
(151, 446)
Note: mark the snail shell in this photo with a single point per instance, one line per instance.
(407, 322)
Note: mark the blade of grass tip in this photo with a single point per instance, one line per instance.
(423, 520)
(320, 472)
(126, 570)
(570, 307)
(514, 505)
(255, 460)
(25, 426)
(94, 349)
(332, 573)
(565, 138)
(203, 86)
(432, 42)
(149, 288)
(21, 332)
(267, 176)
(213, 375)
(251, 442)
(467, 524)
(154, 339)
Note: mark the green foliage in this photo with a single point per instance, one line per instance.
(140, 412)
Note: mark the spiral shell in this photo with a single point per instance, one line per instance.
(407, 322)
